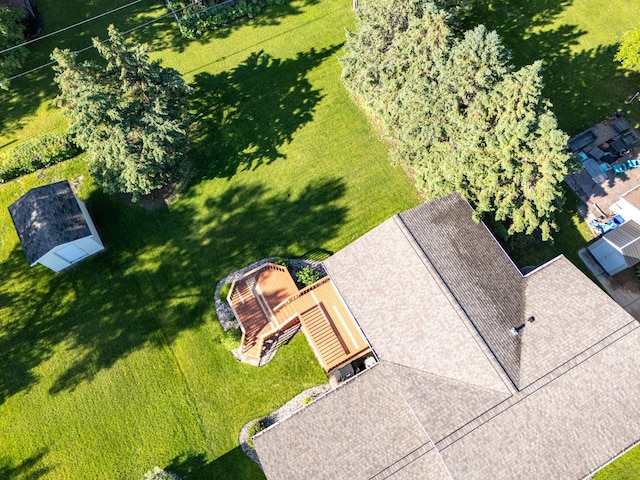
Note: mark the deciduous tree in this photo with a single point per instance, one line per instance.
(629, 51)
(130, 115)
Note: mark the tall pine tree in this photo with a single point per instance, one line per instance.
(456, 115)
(11, 35)
(130, 115)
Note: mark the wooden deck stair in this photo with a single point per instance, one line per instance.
(267, 303)
(246, 305)
(324, 335)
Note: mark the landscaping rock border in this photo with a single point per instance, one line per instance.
(283, 412)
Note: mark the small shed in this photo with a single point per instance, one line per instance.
(54, 227)
(619, 249)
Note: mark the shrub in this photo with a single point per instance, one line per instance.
(159, 474)
(307, 275)
(282, 262)
(231, 338)
(255, 428)
(224, 291)
(42, 151)
(306, 401)
(197, 17)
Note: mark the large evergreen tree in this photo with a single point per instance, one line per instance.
(131, 115)
(456, 115)
(11, 34)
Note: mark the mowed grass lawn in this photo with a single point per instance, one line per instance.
(116, 365)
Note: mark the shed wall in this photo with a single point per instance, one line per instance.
(608, 257)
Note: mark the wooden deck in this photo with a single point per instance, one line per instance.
(253, 298)
(331, 330)
(266, 301)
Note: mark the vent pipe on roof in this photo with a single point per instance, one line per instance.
(516, 330)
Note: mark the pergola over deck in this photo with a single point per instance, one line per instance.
(267, 302)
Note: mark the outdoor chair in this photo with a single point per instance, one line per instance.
(605, 167)
(620, 168)
(633, 163)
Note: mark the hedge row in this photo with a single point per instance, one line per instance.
(198, 16)
(42, 151)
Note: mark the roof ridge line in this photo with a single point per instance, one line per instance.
(453, 380)
(532, 388)
(462, 314)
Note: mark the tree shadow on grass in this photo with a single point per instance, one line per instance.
(584, 86)
(245, 115)
(28, 469)
(231, 466)
(169, 35)
(27, 93)
(155, 279)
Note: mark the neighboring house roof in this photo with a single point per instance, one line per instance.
(46, 217)
(437, 298)
(618, 249)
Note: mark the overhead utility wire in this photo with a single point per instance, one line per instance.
(68, 27)
(76, 52)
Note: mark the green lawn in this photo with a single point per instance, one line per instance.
(577, 40)
(117, 365)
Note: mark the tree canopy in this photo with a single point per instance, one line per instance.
(11, 34)
(130, 115)
(629, 51)
(456, 114)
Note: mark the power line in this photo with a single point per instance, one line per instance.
(24, 44)
(76, 52)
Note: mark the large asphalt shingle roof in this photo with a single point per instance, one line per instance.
(46, 217)
(436, 296)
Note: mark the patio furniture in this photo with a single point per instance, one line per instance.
(582, 156)
(581, 140)
(596, 153)
(607, 227)
(594, 170)
(620, 168)
(607, 157)
(617, 146)
(633, 163)
(605, 167)
(620, 126)
(630, 138)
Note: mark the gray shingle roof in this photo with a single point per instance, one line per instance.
(46, 217)
(626, 239)
(375, 426)
(476, 270)
(424, 289)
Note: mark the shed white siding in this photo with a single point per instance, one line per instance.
(608, 257)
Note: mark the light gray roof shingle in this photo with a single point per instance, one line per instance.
(428, 302)
(46, 217)
(375, 428)
(476, 270)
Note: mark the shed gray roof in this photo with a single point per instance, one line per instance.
(626, 239)
(46, 217)
(423, 288)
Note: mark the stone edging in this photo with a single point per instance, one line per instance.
(285, 411)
